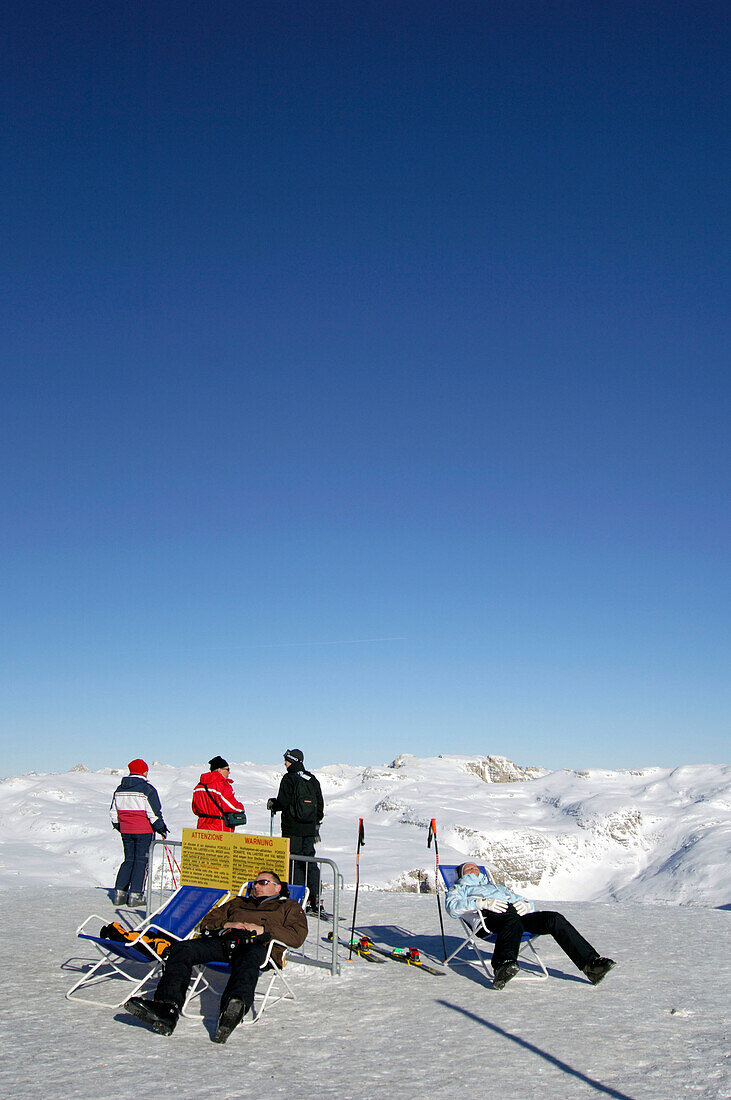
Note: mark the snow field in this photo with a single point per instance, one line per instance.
(656, 834)
(655, 1029)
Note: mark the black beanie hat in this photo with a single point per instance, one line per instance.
(295, 756)
(216, 763)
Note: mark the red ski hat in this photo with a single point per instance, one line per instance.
(137, 767)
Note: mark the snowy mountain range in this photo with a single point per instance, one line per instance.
(652, 834)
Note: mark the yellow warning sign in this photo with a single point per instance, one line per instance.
(227, 860)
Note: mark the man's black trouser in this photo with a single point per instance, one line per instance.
(509, 927)
(305, 846)
(173, 985)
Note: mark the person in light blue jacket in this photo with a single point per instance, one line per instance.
(486, 904)
(471, 886)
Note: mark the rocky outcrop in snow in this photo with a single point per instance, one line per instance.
(652, 834)
(498, 769)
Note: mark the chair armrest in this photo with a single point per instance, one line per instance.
(473, 924)
(165, 932)
(96, 916)
(268, 957)
(92, 916)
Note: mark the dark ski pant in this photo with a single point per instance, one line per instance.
(131, 875)
(508, 928)
(182, 957)
(301, 873)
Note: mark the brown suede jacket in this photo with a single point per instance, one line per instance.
(281, 918)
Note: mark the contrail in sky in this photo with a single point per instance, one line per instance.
(345, 641)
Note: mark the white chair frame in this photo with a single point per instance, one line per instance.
(117, 957)
(478, 944)
(527, 953)
(270, 996)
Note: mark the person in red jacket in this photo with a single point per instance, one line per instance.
(214, 796)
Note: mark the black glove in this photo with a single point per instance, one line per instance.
(272, 805)
(115, 825)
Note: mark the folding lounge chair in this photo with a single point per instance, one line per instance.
(273, 990)
(134, 961)
(472, 941)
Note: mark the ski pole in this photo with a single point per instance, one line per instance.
(170, 865)
(361, 842)
(176, 865)
(271, 823)
(433, 834)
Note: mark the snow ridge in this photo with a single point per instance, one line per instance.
(651, 834)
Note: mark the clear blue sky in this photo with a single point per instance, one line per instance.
(365, 382)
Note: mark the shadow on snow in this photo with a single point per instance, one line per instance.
(533, 1049)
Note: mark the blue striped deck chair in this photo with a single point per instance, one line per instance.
(134, 962)
(275, 986)
(527, 955)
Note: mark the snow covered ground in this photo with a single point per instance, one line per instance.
(655, 1029)
(638, 860)
(654, 834)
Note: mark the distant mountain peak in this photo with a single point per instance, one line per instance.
(498, 769)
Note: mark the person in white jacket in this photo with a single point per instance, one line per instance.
(507, 916)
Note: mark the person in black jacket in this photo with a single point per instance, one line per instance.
(299, 799)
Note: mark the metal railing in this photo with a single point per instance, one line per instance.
(322, 947)
(163, 878)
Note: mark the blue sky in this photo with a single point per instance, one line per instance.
(365, 383)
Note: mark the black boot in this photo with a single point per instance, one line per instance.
(231, 1016)
(503, 974)
(598, 968)
(162, 1016)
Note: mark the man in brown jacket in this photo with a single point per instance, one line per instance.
(237, 933)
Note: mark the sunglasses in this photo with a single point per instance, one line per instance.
(263, 882)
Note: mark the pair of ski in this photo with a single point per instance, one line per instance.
(366, 949)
